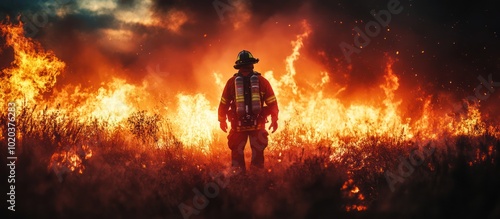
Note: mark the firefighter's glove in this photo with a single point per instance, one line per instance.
(273, 126)
(223, 126)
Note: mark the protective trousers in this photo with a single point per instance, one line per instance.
(258, 142)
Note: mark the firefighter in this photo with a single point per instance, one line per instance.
(247, 102)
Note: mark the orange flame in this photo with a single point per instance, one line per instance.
(33, 70)
(69, 161)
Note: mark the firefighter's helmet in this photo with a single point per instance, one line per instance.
(244, 58)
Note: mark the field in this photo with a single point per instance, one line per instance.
(69, 171)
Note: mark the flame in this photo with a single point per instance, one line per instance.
(434, 124)
(194, 120)
(112, 104)
(311, 117)
(33, 71)
(351, 191)
(71, 160)
(471, 124)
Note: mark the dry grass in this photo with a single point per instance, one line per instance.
(129, 176)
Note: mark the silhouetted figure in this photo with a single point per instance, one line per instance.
(247, 101)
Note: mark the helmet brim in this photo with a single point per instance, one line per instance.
(240, 63)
